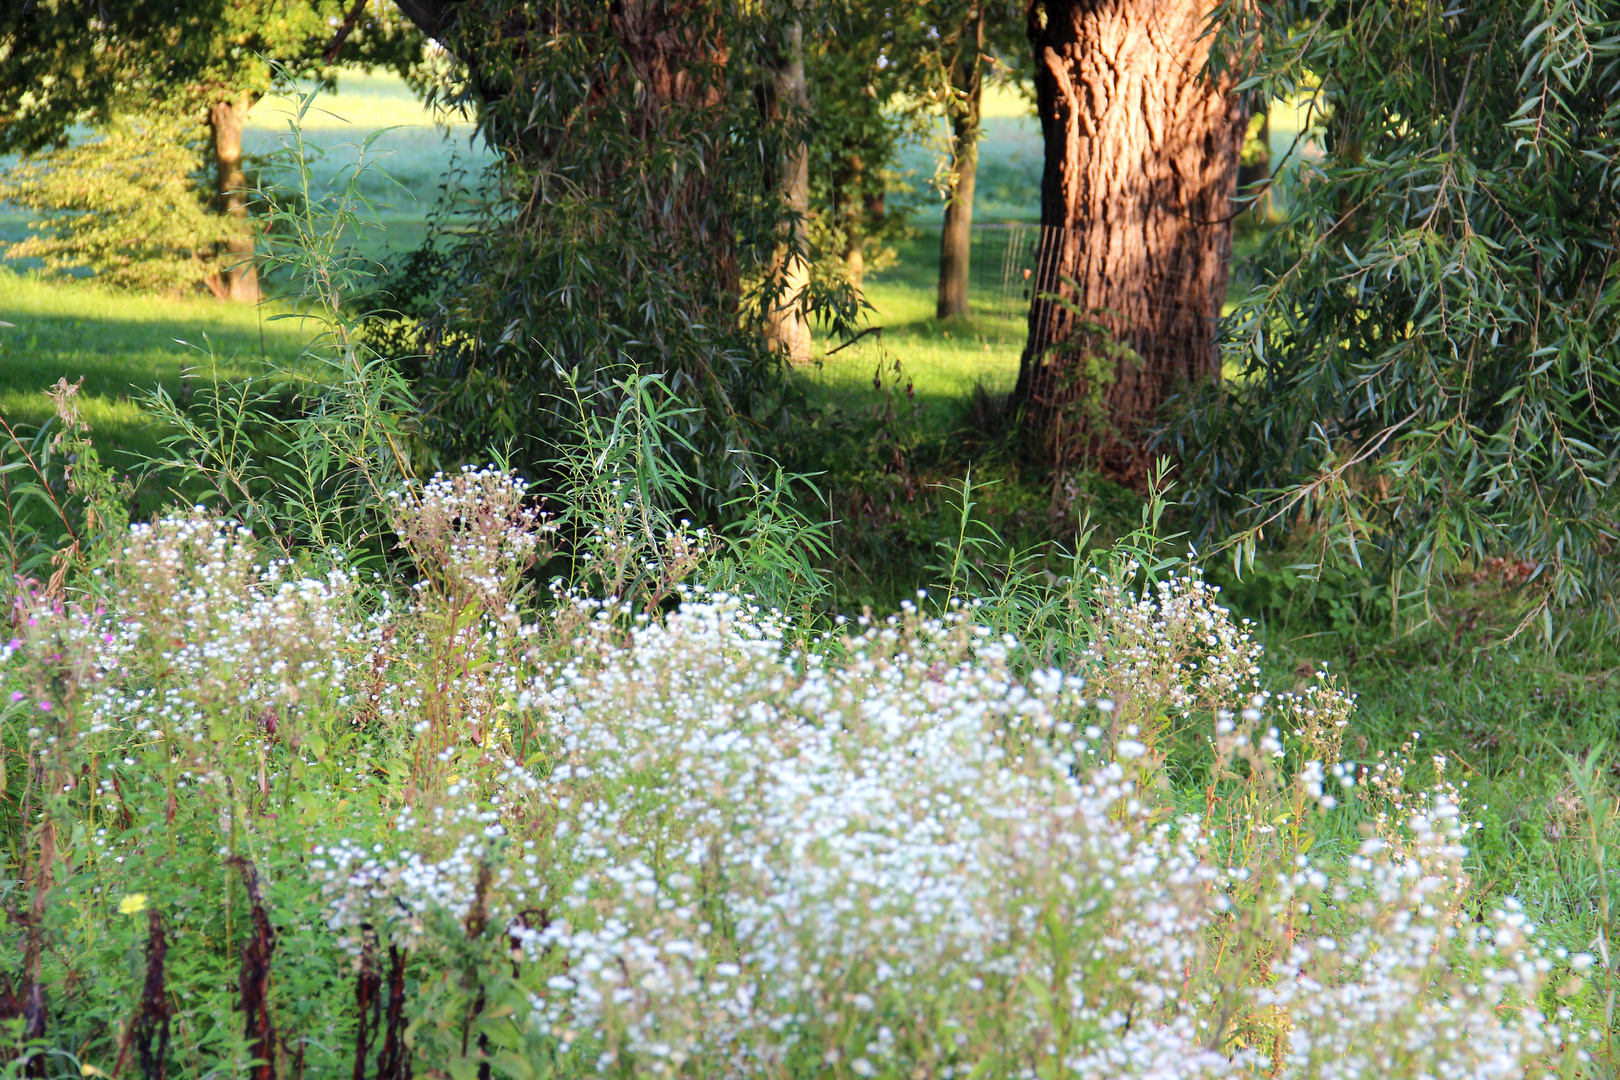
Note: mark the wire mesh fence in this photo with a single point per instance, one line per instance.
(1003, 273)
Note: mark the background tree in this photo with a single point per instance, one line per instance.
(1429, 368)
(865, 109)
(962, 60)
(635, 217)
(958, 45)
(129, 206)
(65, 64)
(1141, 158)
(787, 104)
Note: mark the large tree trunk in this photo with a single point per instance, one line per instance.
(786, 326)
(963, 109)
(1141, 156)
(240, 277)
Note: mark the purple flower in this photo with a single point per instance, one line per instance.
(45, 706)
(16, 696)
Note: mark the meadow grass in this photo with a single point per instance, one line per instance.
(124, 345)
(942, 362)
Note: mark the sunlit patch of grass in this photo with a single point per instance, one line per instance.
(364, 101)
(941, 362)
(124, 345)
(415, 148)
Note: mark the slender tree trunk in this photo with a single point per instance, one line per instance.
(786, 326)
(852, 212)
(964, 109)
(240, 277)
(1253, 176)
(1141, 156)
(876, 202)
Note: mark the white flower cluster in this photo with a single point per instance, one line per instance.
(200, 629)
(888, 855)
(481, 877)
(890, 858)
(1172, 649)
(472, 532)
(1361, 1002)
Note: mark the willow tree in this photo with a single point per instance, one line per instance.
(644, 211)
(172, 70)
(1141, 157)
(1429, 371)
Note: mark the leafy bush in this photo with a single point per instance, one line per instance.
(1428, 376)
(130, 207)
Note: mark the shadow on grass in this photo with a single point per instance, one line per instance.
(124, 346)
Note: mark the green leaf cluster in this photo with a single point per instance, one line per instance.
(129, 206)
(63, 65)
(1427, 364)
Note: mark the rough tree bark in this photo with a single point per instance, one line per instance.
(963, 109)
(1141, 157)
(786, 327)
(239, 280)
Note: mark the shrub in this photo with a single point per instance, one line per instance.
(129, 207)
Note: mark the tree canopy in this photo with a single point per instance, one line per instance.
(65, 63)
(183, 74)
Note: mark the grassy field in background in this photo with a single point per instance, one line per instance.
(124, 346)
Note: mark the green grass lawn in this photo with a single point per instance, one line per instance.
(123, 346)
(942, 362)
